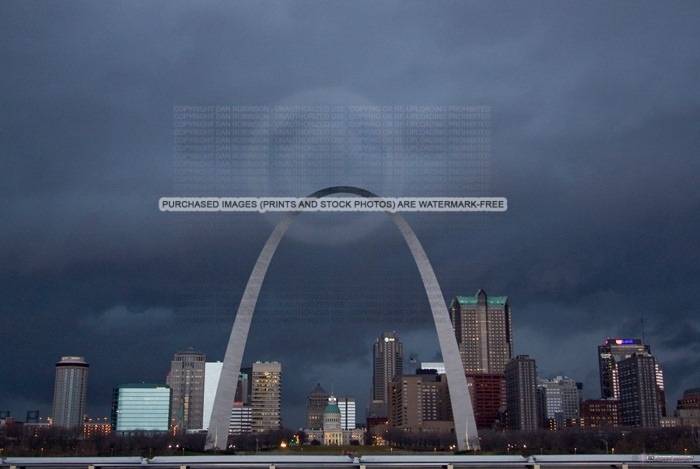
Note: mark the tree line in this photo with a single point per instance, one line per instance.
(55, 441)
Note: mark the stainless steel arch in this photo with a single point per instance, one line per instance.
(465, 425)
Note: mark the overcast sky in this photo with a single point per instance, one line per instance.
(595, 120)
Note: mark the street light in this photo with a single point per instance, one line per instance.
(606, 445)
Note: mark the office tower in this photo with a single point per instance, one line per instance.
(212, 373)
(558, 402)
(346, 405)
(521, 393)
(488, 392)
(317, 402)
(612, 353)
(186, 379)
(482, 325)
(244, 387)
(596, 413)
(639, 397)
(609, 355)
(69, 392)
(420, 403)
(266, 396)
(388, 362)
(141, 408)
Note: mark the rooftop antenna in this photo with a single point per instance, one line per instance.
(643, 338)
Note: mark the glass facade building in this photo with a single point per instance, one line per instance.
(141, 407)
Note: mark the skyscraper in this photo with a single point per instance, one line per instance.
(488, 391)
(212, 373)
(186, 379)
(521, 393)
(559, 400)
(317, 402)
(611, 354)
(388, 362)
(244, 388)
(483, 330)
(639, 397)
(266, 396)
(69, 392)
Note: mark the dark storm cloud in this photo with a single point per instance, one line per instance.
(595, 142)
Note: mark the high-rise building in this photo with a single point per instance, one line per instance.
(317, 402)
(347, 408)
(521, 393)
(69, 394)
(244, 388)
(483, 329)
(141, 408)
(186, 379)
(639, 397)
(611, 354)
(212, 373)
(488, 392)
(388, 362)
(559, 400)
(420, 402)
(266, 396)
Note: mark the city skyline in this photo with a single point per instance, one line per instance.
(190, 354)
(592, 137)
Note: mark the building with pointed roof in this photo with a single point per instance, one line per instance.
(317, 401)
(483, 328)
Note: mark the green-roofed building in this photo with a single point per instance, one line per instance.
(484, 332)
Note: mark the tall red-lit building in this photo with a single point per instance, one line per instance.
(488, 393)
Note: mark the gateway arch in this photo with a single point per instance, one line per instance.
(465, 425)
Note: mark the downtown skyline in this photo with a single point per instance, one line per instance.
(410, 365)
(594, 143)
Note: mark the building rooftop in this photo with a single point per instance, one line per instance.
(490, 300)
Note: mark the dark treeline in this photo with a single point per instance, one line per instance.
(71, 442)
(50, 441)
(679, 440)
(54, 441)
